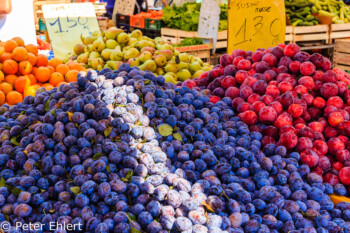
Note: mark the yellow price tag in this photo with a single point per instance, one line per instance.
(65, 24)
(254, 24)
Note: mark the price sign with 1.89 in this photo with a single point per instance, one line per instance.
(255, 24)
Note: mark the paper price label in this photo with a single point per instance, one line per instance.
(209, 20)
(65, 24)
(254, 24)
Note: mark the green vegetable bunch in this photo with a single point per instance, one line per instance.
(191, 41)
(186, 17)
(337, 9)
(299, 13)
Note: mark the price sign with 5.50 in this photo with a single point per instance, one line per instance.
(66, 23)
(254, 24)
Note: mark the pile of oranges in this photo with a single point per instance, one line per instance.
(23, 71)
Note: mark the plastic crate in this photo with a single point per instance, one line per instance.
(123, 19)
(153, 33)
(154, 24)
(124, 27)
(137, 21)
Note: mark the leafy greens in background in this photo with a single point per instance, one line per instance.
(186, 17)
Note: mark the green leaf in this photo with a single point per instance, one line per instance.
(97, 156)
(16, 191)
(165, 130)
(147, 82)
(14, 141)
(2, 182)
(47, 105)
(129, 174)
(132, 217)
(53, 112)
(124, 179)
(75, 189)
(134, 230)
(108, 131)
(177, 136)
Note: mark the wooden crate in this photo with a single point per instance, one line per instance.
(102, 23)
(175, 36)
(202, 51)
(311, 33)
(339, 31)
(289, 34)
(341, 57)
(100, 9)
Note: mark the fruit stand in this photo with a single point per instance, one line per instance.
(138, 130)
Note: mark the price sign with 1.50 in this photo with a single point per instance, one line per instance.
(66, 23)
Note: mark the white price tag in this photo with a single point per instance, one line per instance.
(124, 7)
(209, 20)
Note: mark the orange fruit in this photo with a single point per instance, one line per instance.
(6, 87)
(41, 60)
(10, 67)
(51, 69)
(22, 83)
(62, 68)
(31, 58)
(32, 49)
(10, 45)
(31, 90)
(11, 79)
(5, 56)
(2, 50)
(25, 67)
(2, 98)
(37, 86)
(74, 66)
(19, 41)
(19, 54)
(42, 74)
(55, 62)
(2, 43)
(56, 78)
(32, 78)
(71, 76)
(2, 76)
(48, 86)
(14, 97)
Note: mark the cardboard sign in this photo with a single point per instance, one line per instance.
(20, 22)
(124, 7)
(254, 24)
(209, 18)
(65, 24)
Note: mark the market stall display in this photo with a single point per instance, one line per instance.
(23, 71)
(113, 47)
(132, 134)
(301, 102)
